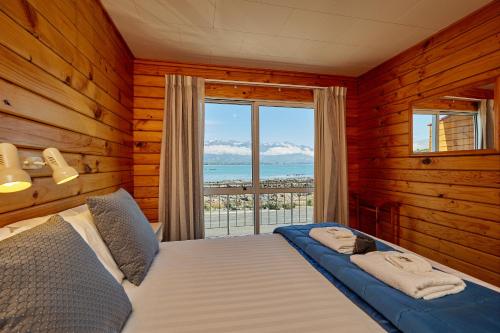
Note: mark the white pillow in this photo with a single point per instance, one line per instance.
(5, 233)
(81, 220)
(29, 223)
(9, 232)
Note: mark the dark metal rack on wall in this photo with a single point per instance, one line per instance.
(378, 218)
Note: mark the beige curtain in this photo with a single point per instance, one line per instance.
(181, 163)
(484, 127)
(330, 156)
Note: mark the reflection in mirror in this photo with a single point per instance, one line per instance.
(461, 120)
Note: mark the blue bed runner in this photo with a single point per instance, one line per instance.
(475, 310)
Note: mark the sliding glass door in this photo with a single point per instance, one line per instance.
(228, 173)
(286, 165)
(258, 166)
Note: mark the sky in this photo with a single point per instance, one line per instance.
(228, 122)
(421, 130)
(277, 124)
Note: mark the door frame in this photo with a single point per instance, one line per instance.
(255, 189)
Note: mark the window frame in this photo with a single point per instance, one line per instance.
(490, 151)
(255, 188)
(436, 114)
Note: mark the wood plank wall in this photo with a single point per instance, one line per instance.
(149, 90)
(65, 82)
(450, 204)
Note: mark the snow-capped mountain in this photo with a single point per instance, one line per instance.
(236, 152)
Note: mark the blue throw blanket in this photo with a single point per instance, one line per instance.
(476, 309)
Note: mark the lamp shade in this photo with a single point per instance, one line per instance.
(61, 171)
(12, 177)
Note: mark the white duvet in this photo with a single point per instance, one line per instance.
(241, 284)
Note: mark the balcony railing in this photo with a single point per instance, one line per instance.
(233, 214)
(285, 183)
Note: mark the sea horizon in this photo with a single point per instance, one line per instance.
(238, 172)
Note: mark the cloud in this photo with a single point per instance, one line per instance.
(244, 149)
(288, 150)
(226, 149)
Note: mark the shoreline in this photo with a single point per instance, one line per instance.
(272, 201)
(274, 182)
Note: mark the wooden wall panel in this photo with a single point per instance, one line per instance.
(68, 80)
(149, 94)
(65, 82)
(450, 204)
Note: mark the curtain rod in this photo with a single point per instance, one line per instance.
(249, 83)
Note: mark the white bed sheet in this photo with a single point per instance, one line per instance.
(241, 284)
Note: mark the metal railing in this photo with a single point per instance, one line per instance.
(233, 214)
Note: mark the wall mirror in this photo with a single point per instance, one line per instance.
(461, 121)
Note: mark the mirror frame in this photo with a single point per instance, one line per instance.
(496, 136)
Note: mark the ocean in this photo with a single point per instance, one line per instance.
(244, 172)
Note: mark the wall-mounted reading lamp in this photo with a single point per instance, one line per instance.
(12, 176)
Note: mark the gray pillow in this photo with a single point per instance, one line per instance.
(52, 281)
(126, 232)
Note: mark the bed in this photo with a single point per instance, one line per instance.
(240, 284)
(243, 284)
(258, 283)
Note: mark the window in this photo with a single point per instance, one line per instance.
(462, 120)
(440, 131)
(422, 132)
(258, 166)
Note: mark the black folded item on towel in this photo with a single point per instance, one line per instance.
(364, 244)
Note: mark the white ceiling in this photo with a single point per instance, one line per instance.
(345, 37)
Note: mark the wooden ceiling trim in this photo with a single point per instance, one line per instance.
(155, 68)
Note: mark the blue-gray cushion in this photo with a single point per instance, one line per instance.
(52, 281)
(126, 232)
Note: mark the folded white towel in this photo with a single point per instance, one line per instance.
(339, 232)
(337, 240)
(427, 285)
(408, 261)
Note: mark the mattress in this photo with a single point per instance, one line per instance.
(253, 283)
